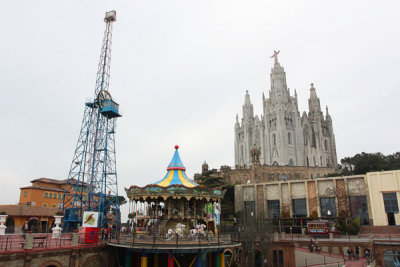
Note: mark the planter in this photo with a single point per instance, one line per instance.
(57, 229)
(3, 219)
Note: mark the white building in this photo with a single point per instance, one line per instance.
(282, 135)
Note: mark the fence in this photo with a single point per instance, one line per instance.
(175, 240)
(15, 242)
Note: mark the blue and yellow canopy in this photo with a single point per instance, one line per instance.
(176, 173)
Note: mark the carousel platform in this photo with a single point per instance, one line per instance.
(181, 245)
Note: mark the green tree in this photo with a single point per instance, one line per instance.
(368, 162)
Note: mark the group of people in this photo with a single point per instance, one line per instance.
(355, 253)
(314, 246)
(105, 233)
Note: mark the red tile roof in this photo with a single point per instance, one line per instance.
(25, 210)
(43, 188)
(53, 181)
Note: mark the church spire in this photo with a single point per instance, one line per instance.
(247, 107)
(279, 91)
(247, 101)
(327, 116)
(314, 105)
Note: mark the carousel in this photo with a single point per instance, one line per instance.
(174, 207)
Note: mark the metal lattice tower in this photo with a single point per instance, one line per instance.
(92, 179)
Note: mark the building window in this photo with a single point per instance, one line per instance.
(46, 194)
(315, 162)
(289, 138)
(326, 145)
(328, 206)
(299, 207)
(59, 196)
(25, 193)
(359, 209)
(249, 208)
(55, 195)
(54, 206)
(274, 139)
(44, 205)
(291, 163)
(50, 195)
(274, 209)
(390, 202)
(277, 258)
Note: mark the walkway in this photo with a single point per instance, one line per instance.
(305, 258)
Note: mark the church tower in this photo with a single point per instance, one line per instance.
(247, 133)
(282, 135)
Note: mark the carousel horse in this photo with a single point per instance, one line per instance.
(197, 231)
(179, 230)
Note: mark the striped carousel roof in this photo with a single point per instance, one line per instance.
(176, 173)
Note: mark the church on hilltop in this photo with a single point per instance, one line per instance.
(282, 136)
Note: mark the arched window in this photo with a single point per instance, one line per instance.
(289, 137)
(326, 145)
(291, 162)
(314, 140)
(274, 139)
(308, 162)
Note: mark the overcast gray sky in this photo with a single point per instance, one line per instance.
(179, 72)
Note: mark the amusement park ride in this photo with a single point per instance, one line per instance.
(92, 179)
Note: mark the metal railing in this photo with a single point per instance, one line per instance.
(197, 240)
(377, 238)
(20, 242)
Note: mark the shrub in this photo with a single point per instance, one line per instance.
(353, 227)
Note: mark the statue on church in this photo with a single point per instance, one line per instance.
(255, 154)
(275, 55)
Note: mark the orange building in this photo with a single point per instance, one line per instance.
(29, 218)
(45, 192)
(38, 204)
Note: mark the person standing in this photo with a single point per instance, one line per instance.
(349, 252)
(357, 251)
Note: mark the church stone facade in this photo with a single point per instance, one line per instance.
(283, 136)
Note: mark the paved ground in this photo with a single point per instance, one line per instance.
(305, 258)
